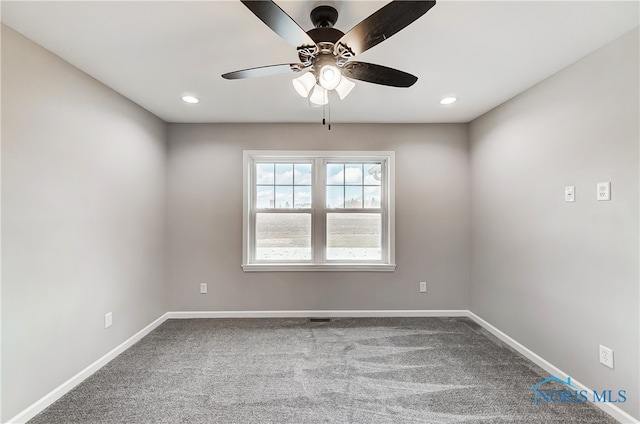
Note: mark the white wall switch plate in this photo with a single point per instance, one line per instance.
(570, 194)
(108, 320)
(604, 191)
(423, 286)
(606, 356)
(203, 288)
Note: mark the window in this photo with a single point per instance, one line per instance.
(318, 211)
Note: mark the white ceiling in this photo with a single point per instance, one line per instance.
(483, 52)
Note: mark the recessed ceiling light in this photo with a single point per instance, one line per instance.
(448, 100)
(190, 99)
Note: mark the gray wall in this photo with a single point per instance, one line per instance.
(83, 219)
(205, 220)
(562, 278)
(83, 180)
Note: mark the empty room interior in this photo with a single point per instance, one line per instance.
(320, 212)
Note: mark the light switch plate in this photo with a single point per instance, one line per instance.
(570, 194)
(604, 191)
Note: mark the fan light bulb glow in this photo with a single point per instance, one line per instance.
(304, 84)
(190, 99)
(328, 74)
(448, 100)
(329, 77)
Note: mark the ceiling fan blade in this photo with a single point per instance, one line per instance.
(382, 24)
(264, 71)
(281, 23)
(378, 74)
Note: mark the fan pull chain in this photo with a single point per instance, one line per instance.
(326, 113)
(323, 114)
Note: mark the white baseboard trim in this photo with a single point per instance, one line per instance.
(318, 314)
(65, 387)
(609, 408)
(33, 410)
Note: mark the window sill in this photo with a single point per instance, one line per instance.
(318, 267)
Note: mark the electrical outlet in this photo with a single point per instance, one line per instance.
(606, 356)
(604, 191)
(423, 286)
(108, 320)
(203, 288)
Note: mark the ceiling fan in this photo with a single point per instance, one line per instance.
(326, 52)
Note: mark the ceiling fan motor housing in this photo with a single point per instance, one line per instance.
(325, 39)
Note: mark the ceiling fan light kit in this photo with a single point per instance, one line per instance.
(326, 53)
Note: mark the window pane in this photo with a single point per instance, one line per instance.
(264, 173)
(302, 174)
(284, 197)
(284, 173)
(353, 174)
(335, 173)
(354, 236)
(302, 197)
(283, 236)
(372, 173)
(372, 196)
(265, 197)
(347, 214)
(335, 197)
(353, 197)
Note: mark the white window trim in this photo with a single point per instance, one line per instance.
(387, 264)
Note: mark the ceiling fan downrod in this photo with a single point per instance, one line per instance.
(324, 16)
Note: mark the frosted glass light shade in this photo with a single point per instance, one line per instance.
(344, 87)
(303, 84)
(329, 77)
(319, 96)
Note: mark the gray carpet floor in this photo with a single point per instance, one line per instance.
(356, 370)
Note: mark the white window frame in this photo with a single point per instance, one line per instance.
(318, 210)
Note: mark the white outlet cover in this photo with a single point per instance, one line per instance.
(203, 288)
(423, 286)
(606, 356)
(603, 191)
(108, 320)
